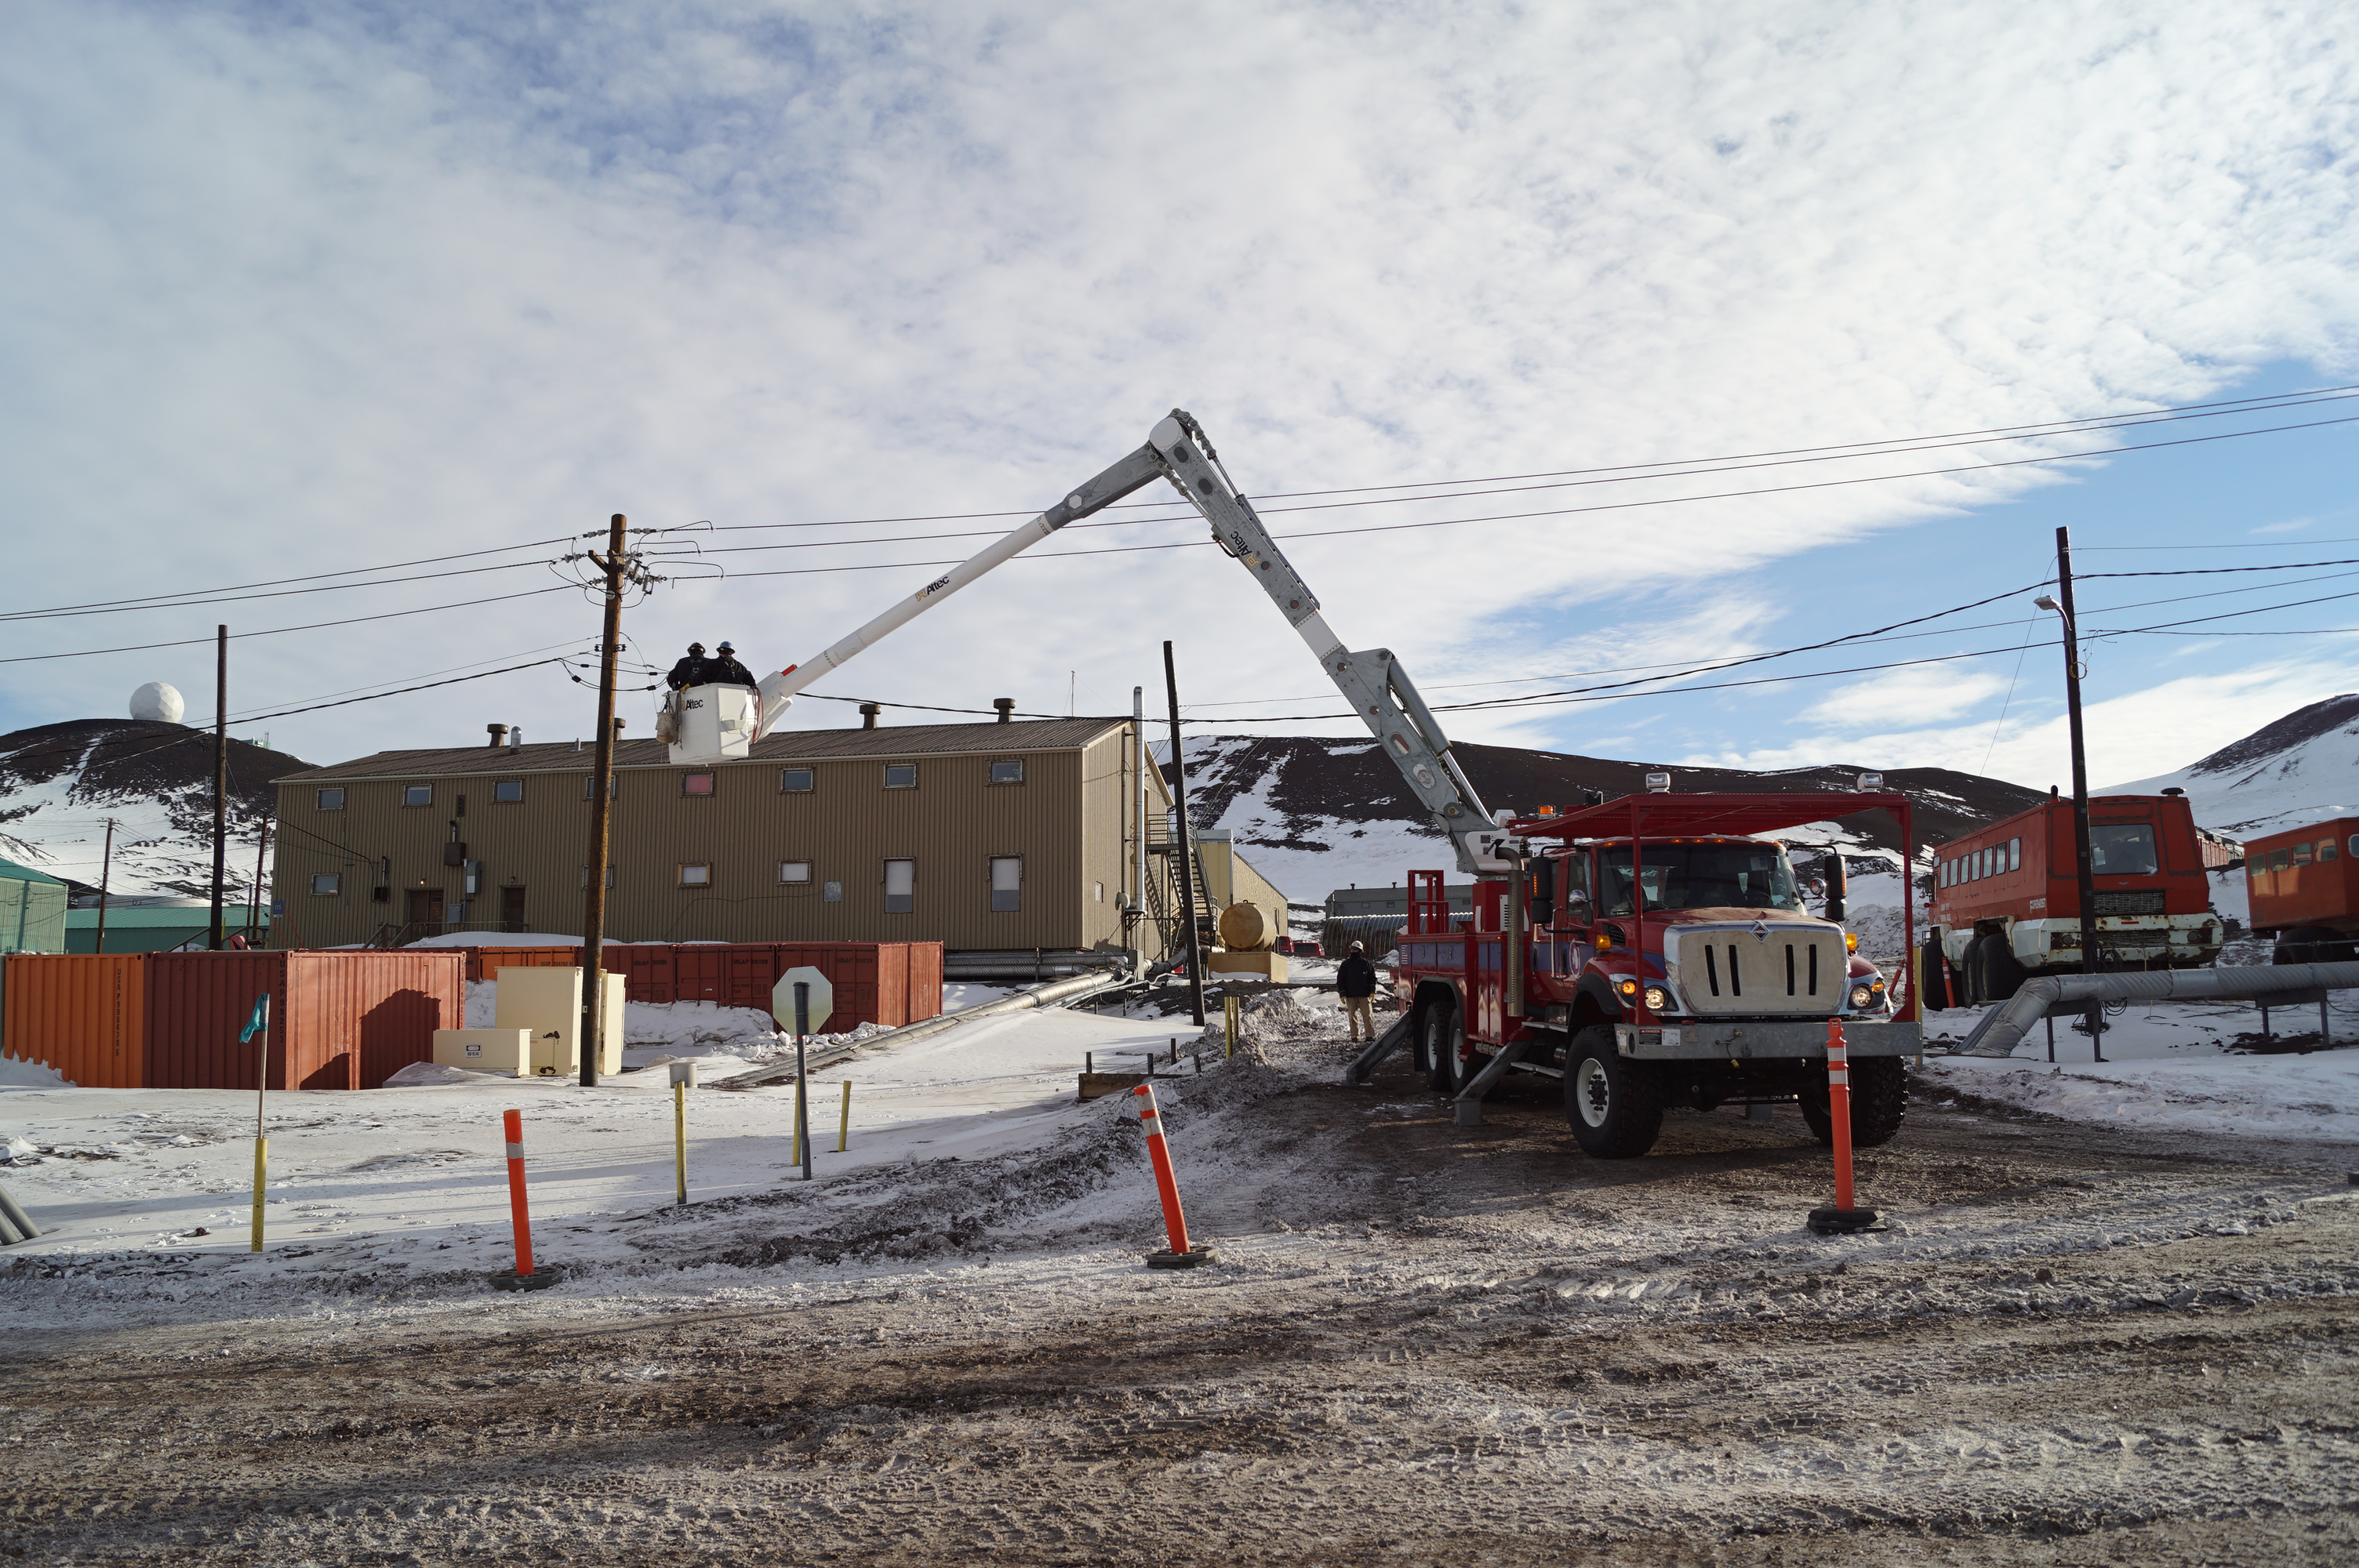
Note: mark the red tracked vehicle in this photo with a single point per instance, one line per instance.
(1654, 951)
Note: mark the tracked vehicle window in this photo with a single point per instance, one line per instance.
(2122, 849)
(1699, 876)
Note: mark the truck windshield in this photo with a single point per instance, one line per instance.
(2122, 849)
(1700, 876)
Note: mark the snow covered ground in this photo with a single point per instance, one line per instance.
(411, 1181)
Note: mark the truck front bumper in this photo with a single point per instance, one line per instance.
(1738, 1042)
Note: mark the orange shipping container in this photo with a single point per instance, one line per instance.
(925, 981)
(81, 1014)
(337, 1019)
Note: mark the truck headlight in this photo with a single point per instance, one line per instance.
(1658, 999)
(1863, 996)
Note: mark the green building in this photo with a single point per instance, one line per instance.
(142, 927)
(32, 910)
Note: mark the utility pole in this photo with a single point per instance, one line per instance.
(221, 781)
(2085, 864)
(1184, 845)
(593, 914)
(1137, 927)
(105, 875)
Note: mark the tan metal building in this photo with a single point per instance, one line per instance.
(990, 838)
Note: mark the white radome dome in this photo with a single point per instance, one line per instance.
(158, 703)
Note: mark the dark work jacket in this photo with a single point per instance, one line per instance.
(725, 670)
(1357, 977)
(693, 669)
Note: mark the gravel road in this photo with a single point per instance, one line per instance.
(1423, 1343)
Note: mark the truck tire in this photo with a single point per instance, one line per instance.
(1441, 1047)
(1879, 1099)
(2003, 975)
(2310, 945)
(1615, 1105)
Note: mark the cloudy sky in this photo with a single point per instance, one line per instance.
(432, 289)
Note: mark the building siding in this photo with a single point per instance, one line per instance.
(1070, 820)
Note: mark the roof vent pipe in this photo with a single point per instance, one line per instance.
(499, 734)
(515, 738)
(1007, 706)
(868, 712)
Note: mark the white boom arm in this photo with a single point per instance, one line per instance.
(1371, 679)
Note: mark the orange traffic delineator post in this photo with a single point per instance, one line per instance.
(522, 1276)
(1175, 1222)
(1844, 1217)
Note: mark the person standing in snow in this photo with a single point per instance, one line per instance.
(1355, 982)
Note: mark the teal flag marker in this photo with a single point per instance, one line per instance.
(260, 1021)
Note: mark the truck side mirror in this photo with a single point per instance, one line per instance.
(1838, 885)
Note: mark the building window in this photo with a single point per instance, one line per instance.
(1097, 892)
(331, 800)
(2351, 844)
(1006, 883)
(796, 781)
(418, 795)
(2302, 854)
(585, 877)
(2015, 854)
(2280, 858)
(507, 789)
(327, 885)
(795, 872)
(830, 892)
(590, 784)
(901, 886)
(696, 783)
(696, 874)
(1007, 769)
(2326, 849)
(901, 775)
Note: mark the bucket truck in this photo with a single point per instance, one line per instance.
(709, 724)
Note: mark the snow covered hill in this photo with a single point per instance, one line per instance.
(1315, 815)
(58, 782)
(2301, 769)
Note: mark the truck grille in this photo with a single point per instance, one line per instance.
(2142, 902)
(1794, 968)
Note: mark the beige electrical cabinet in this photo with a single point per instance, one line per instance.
(548, 1003)
(485, 1050)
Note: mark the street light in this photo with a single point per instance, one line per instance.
(2060, 605)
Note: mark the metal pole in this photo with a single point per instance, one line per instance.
(105, 875)
(802, 1075)
(593, 914)
(2085, 865)
(1183, 838)
(221, 781)
(1138, 739)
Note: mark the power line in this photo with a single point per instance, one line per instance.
(405, 691)
(161, 600)
(283, 631)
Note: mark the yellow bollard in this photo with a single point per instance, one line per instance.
(680, 1139)
(795, 1158)
(1229, 1006)
(844, 1127)
(261, 1168)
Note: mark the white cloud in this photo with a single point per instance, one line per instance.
(2137, 735)
(386, 285)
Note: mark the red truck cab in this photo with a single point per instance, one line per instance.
(1653, 951)
(2006, 898)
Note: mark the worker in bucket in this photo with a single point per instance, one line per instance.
(693, 669)
(1355, 982)
(725, 670)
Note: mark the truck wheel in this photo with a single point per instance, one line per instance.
(1441, 1047)
(2309, 945)
(1421, 1062)
(2003, 975)
(1616, 1107)
(1879, 1098)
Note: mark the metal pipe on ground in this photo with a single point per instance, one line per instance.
(2002, 1029)
(1056, 993)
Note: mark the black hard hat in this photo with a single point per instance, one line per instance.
(696, 648)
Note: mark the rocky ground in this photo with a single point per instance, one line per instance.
(1421, 1343)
